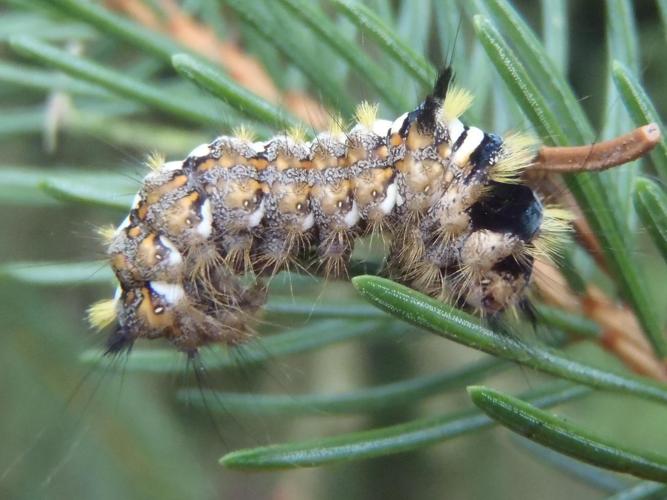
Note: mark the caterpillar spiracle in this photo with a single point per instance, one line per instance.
(463, 225)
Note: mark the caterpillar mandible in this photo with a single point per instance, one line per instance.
(463, 224)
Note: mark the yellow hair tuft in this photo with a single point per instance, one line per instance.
(102, 313)
(518, 152)
(297, 133)
(106, 233)
(457, 101)
(244, 133)
(155, 161)
(554, 231)
(366, 114)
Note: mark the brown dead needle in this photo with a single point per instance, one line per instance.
(601, 155)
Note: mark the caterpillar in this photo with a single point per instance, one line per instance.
(203, 233)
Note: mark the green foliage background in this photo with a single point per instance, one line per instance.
(76, 429)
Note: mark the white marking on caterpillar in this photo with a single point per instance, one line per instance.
(171, 166)
(352, 217)
(397, 124)
(308, 222)
(358, 128)
(474, 138)
(175, 257)
(455, 128)
(256, 217)
(258, 147)
(381, 127)
(170, 292)
(199, 151)
(390, 199)
(205, 227)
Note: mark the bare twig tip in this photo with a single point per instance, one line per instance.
(601, 155)
(652, 133)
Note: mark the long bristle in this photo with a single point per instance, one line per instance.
(335, 125)
(297, 133)
(101, 314)
(427, 276)
(519, 152)
(457, 101)
(554, 231)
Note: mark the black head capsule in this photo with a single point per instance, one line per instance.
(509, 208)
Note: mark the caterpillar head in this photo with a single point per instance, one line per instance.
(157, 309)
(147, 311)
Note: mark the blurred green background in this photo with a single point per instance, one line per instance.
(70, 430)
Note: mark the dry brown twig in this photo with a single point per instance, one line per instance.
(621, 332)
(593, 157)
(601, 155)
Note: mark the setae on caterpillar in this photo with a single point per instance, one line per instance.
(203, 232)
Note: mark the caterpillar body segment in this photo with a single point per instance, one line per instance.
(461, 224)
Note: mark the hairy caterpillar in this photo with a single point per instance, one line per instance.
(463, 225)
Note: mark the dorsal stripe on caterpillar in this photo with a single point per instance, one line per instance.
(462, 226)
